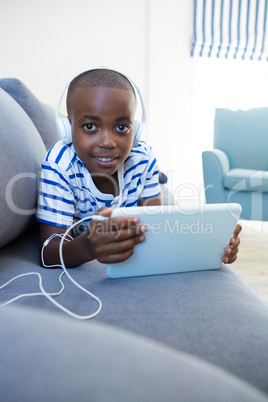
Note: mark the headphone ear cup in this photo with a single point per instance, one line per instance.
(138, 127)
(64, 129)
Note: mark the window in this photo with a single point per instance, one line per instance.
(231, 29)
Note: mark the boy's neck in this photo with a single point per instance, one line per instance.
(107, 184)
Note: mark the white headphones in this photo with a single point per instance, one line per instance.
(63, 124)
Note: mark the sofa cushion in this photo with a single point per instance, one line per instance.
(210, 314)
(51, 358)
(21, 154)
(41, 114)
(246, 180)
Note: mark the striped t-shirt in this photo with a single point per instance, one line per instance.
(67, 192)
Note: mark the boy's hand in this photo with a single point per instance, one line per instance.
(232, 249)
(113, 240)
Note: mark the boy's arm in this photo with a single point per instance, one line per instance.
(108, 241)
(75, 252)
(145, 202)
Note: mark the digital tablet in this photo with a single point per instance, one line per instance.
(178, 239)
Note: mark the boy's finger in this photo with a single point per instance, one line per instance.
(113, 258)
(235, 240)
(118, 252)
(234, 243)
(125, 221)
(232, 259)
(237, 230)
(111, 232)
(103, 211)
(119, 223)
(129, 232)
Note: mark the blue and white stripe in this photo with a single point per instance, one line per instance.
(67, 192)
(235, 29)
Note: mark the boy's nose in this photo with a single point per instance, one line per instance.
(107, 139)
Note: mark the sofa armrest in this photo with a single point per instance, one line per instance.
(215, 166)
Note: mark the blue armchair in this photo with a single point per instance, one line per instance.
(236, 170)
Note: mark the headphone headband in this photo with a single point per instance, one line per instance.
(64, 126)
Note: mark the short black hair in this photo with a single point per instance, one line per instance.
(100, 78)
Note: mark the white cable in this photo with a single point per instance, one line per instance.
(49, 295)
(42, 293)
(46, 243)
(31, 294)
(87, 317)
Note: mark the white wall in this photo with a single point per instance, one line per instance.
(171, 73)
(46, 42)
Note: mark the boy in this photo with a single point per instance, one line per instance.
(99, 170)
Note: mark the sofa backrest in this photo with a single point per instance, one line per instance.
(21, 153)
(42, 116)
(243, 136)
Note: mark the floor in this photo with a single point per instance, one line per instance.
(252, 262)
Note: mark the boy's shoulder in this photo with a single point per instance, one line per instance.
(141, 150)
(61, 154)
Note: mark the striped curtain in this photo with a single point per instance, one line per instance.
(235, 29)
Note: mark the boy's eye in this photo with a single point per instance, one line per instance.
(89, 127)
(122, 128)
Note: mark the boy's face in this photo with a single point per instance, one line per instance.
(102, 121)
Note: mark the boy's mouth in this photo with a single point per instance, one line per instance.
(104, 159)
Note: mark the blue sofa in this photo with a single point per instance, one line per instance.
(198, 336)
(236, 170)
